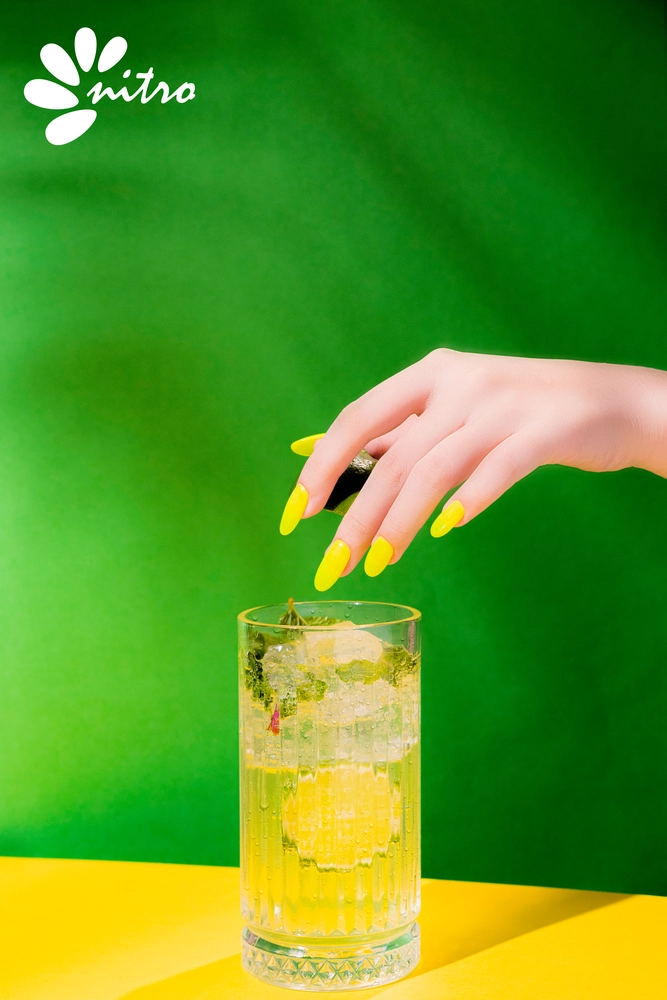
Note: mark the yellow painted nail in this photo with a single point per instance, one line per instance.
(378, 556)
(294, 509)
(449, 518)
(336, 558)
(306, 446)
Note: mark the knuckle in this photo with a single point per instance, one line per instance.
(511, 465)
(397, 527)
(391, 470)
(349, 416)
(439, 354)
(479, 380)
(355, 526)
(316, 468)
(429, 476)
(440, 358)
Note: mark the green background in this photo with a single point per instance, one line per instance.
(187, 288)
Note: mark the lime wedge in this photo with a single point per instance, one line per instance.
(347, 488)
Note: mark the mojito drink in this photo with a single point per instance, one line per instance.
(329, 712)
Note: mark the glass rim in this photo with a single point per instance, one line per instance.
(413, 615)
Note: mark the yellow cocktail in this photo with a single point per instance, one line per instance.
(330, 794)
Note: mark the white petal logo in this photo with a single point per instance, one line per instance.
(47, 94)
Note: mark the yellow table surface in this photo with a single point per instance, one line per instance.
(105, 930)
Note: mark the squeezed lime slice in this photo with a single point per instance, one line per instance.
(350, 483)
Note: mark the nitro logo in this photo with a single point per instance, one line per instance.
(185, 92)
(47, 94)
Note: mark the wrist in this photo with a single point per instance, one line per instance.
(651, 421)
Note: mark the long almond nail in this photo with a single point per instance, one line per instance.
(335, 560)
(306, 446)
(378, 556)
(450, 517)
(294, 509)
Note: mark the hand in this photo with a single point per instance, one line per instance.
(482, 421)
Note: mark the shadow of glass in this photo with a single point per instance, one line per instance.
(458, 919)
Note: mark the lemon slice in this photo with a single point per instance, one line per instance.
(340, 816)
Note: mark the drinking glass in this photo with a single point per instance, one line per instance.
(330, 797)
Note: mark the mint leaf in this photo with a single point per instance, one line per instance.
(400, 663)
(287, 706)
(395, 663)
(291, 616)
(256, 682)
(363, 671)
(257, 643)
(311, 689)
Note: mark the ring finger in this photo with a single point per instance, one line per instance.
(393, 471)
(449, 463)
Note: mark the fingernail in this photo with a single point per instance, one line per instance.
(449, 518)
(378, 556)
(294, 509)
(306, 446)
(335, 560)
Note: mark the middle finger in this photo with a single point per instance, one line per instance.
(369, 509)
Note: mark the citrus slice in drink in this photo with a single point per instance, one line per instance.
(341, 816)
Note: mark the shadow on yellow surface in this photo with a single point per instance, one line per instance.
(100, 930)
(93, 930)
(459, 919)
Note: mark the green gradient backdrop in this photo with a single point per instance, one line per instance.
(186, 289)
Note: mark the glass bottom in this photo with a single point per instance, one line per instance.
(327, 968)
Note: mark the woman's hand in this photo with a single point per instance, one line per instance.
(479, 420)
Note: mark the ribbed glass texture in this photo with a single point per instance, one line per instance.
(329, 754)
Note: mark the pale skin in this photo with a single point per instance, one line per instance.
(481, 423)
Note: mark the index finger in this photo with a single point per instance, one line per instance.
(377, 412)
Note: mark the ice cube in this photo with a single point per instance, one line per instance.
(281, 655)
(280, 669)
(341, 646)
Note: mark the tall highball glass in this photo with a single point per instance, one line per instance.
(329, 741)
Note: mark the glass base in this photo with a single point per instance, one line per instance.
(326, 968)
